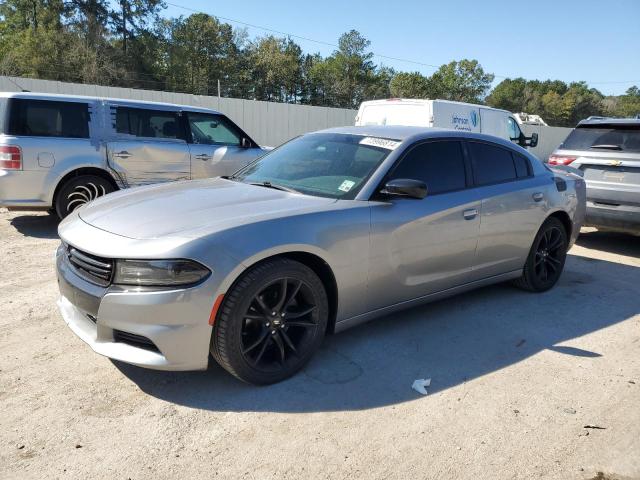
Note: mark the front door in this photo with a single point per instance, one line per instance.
(216, 146)
(149, 146)
(423, 246)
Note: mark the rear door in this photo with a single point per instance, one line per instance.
(149, 145)
(216, 145)
(514, 205)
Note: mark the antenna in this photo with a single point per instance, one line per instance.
(16, 84)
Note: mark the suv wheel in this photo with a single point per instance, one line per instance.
(80, 190)
(271, 322)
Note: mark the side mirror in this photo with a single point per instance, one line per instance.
(531, 141)
(405, 187)
(245, 143)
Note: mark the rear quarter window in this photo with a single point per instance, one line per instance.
(47, 118)
(523, 167)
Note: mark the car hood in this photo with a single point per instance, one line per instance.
(188, 208)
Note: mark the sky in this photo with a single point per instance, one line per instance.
(569, 40)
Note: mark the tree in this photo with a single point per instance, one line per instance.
(463, 81)
(411, 85)
(348, 70)
(132, 17)
(277, 70)
(200, 50)
(627, 105)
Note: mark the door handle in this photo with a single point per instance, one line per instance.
(122, 154)
(203, 156)
(470, 214)
(538, 196)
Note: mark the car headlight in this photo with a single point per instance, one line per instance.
(159, 272)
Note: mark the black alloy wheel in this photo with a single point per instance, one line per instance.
(546, 258)
(271, 322)
(279, 322)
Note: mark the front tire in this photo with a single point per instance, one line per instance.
(271, 322)
(546, 258)
(80, 190)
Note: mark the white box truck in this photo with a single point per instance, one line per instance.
(444, 114)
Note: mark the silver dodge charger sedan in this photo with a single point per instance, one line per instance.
(325, 232)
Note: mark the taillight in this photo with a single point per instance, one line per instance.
(560, 160)
(10, 157)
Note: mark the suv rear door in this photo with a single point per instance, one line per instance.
(149, 145)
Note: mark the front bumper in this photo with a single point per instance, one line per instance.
(175, 322)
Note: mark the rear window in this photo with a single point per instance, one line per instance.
(45, 118)
(147, 123)
(604, 137)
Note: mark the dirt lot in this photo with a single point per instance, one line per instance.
(516, 377)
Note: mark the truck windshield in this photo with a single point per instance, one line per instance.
(322, 164)
(604, 137)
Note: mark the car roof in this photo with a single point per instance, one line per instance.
(124, 101)
(407, 133)
(609, 121)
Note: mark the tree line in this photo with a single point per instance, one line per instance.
(128, 43)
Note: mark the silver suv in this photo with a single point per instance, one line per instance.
(607, 151)
(59, 152)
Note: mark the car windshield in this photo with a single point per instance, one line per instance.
(604, 137)
(323, 164)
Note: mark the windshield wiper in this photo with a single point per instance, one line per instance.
(275, 186)
(607, 147)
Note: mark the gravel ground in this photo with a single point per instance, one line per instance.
(516, 378)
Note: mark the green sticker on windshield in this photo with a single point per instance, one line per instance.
(346, 185)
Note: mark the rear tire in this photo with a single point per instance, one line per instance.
(80, 190)
(546, 258)
(271, 322)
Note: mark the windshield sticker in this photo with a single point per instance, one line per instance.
(380, 142)
(346, 185)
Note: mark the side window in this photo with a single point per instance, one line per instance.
(491, 164)
(147, 123)
(439, 164)
(513, 129)
(45, 118)
(209, 129)
(523, 167)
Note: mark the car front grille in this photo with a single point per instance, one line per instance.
(92, 268)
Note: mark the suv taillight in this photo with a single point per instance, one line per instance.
(560, 160)
(10, 157)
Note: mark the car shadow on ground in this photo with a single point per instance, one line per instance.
(620, 243)
(451, 341)
(38, 226)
